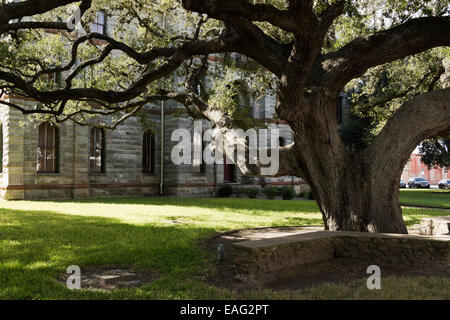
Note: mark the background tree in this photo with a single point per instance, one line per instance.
(307, 51)
(436, 152)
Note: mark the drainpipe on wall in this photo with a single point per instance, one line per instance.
(74, 162)
(161, 183)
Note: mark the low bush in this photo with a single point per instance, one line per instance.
(271, 192)
(239, 192)
(252, 192)
(288, 193)
(308, 194)
(225, 191)
(304, 194)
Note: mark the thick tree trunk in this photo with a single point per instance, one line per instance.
(361, 203)
(350, 194)
(351, 198)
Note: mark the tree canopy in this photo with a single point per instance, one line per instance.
(160, 41)
(436, 152)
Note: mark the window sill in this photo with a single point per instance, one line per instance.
(99, 42)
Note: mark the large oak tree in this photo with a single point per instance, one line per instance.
(308, 51)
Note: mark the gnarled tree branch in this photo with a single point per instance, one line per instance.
(412, 37)
(422, 117)
(223, 9)
(21, 9)
(177, 55)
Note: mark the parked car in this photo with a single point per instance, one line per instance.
(418, 183)
(444, 184)
(402, 184)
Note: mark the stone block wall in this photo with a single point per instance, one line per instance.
(283, 253)
(253, 260)
(123, 174)
(123, 163)
(394, 249)
(13, 152)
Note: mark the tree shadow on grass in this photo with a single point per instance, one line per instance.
(37, 246)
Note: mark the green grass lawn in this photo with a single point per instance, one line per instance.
(425, 198)
(40, 239)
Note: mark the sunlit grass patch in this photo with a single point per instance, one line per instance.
(427, 198)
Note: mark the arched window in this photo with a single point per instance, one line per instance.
(97, 150)
(148, 153)
(48, 148)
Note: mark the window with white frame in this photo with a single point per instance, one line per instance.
(99, 24)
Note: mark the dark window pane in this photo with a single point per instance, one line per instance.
(153, 154)
(92, 150)
(148, 153)
(41, 149)
(96, 153)
(49, 154)
(203, 164)
(47, 149)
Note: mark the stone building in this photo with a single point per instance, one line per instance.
(43, 161)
